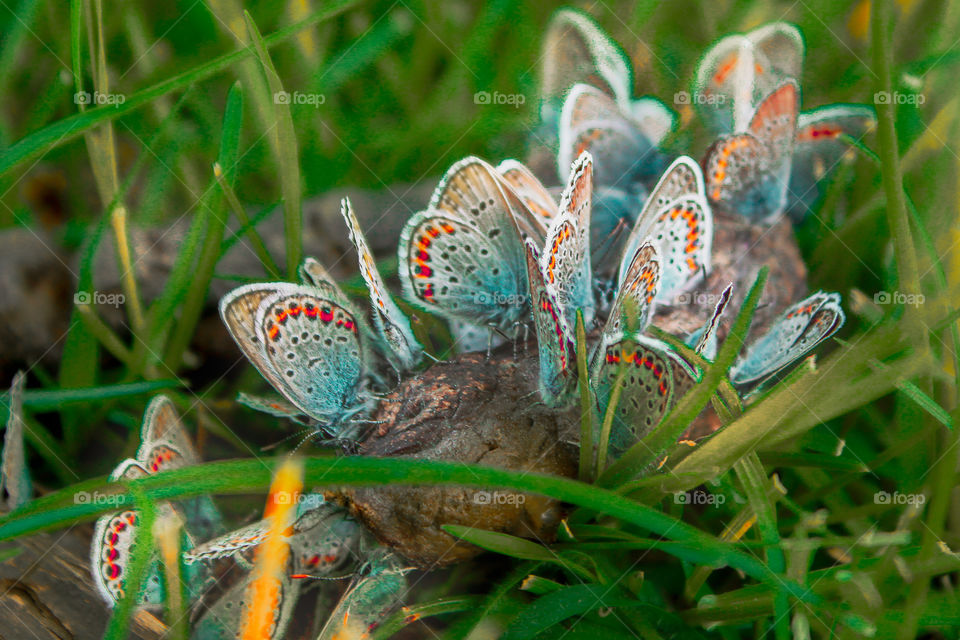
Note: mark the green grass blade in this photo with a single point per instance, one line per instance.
(67, 129)
(53, 399)
(214, 213)
(586, 411)
(657, 442)
(285, 141)
(248, 476)
(140, 559)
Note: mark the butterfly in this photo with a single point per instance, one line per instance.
(791, 336)
(306, 340)
(164, 445)
(748, 172)
(740, 70)
(576, 51)
(704, 340)
(819, 148)
(462, 257)
(223, 619)
(736, 74)
(611, 207)
(323, 538)
(677, 217)
(653, 376)
(623, 145)
(393, 325)
(375, 592)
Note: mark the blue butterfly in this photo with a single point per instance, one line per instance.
(791, 336)
(393, 325)
(462, 257)
(734, 78)
(306, 340)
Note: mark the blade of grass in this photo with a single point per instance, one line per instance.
(67, 129)
(643, 454)
(409, 615)
(586, 412)
(754, 481)
(140, 558)
(247, 476)
(285, 137)
(515, 547)
(53, 399)
(258, 245)
(890, 170)
(213, 210)
(252, 223)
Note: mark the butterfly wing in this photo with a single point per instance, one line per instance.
(313, 348)
(165, 444)
(393, 325)
(565, 262)
(454, 268)
(113, 543)
(324, 541)
(819, 148)
(592, 121)
(653, 378)
(798, 330)
(367, 601)
(222, 620)
(238, 310)
(469, 337)
(749, 173)
(723, 85)
(655, 119)
(462, 257)
(535, 198)
(633, 306)
(683, 179)
(230, 544)
(554, 337)
(576, 50)
(782, 45)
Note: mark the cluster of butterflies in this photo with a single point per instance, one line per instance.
(496, 252)
(324, 542)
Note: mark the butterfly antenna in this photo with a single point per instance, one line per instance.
(307, 576)
(296, 434)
